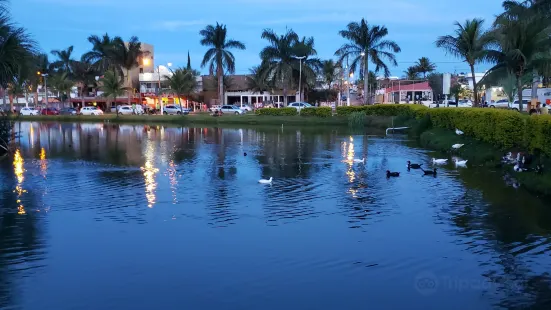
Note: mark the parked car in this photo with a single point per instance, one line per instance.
(174, 109)
(28, 111)
(125, 110)
(299, 105)
(68, 111)
(91, 111)
(502, 103)
(515, 105)
(245, 107)
(214, 108)
(464, 103)
(49, 111)
(231, 109)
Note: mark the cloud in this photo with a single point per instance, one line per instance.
(173, 25)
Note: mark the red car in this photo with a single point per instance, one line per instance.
(49, 111)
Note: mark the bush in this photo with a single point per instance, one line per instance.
(277, 112)
(504, 129)
(319, 112)
(345, 111)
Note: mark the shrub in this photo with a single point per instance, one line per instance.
(345, 111)
(504, 129)
(319, 112)
(277, 112)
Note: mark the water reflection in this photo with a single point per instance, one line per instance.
(295, 231)
(19, 171)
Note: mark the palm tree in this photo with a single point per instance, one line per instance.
(112, 85)
(101, 54)
(329, 72)
(62, 82)
(83, 73)
(412, 73)
(424, 66)
(532, 11)
(256, 80)
(277, 58)
(218, 57)
(37, 65)
(183, 82)
(64, 59)
(367, 43)
(311, 66)
(524, 47)
(16, 47)
(471, 43)
(127, 56)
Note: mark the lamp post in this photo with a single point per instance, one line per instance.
(45, 76)
(351, 75)
(365, 76)
(299, 76)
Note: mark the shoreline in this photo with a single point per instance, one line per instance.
(381, 122)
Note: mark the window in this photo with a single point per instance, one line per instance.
(141, 70)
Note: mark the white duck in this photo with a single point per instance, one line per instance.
(264, 181)
(458, 132)
(439, 161)
(360, 161)
(461, 163)
(457, 146)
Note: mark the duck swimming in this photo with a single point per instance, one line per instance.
(392, 174)
(414, 166)
(264, 181)
(457, 146)
(429, 172)
(439, 161)
(461, 163)
(356, 160)
(458, 132)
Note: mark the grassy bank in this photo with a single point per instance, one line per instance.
(206, 119)
(489, 134)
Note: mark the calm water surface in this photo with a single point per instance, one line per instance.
(97, 216)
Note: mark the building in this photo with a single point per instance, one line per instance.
(403, 92)
(238, 92)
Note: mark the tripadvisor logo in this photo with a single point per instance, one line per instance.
(426, 283)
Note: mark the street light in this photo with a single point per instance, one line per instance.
(147, 62)
(300, 77)
(351, 75)
(45, 76)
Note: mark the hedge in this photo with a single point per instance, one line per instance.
(319, 112)
(504, 129)
(277, 111)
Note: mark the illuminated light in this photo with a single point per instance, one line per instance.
(146, 61)
(150, 185)
(21, 210)
(18, 166)
(43, 162)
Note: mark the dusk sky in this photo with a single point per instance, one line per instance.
(172, 26)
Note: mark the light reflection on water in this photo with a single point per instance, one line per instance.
(327, 231)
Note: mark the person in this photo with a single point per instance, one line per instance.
(544, 109)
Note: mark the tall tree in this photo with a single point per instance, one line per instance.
(101, 54)
(188, 61)
(307, 69)
(412, 73)
(127, 56)
(218, 57)
(64, 59)
(523, 48)
(470, 43)
(277, 58)
(16, 47)
(367, 43)
(424, 65)
(112, 85)
(83, 73)
(182, 83)
(256, 80)
(330, 72)
(63, 83)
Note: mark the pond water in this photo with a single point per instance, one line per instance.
(96, 216)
